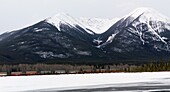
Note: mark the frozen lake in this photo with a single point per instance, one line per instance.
(107, 82)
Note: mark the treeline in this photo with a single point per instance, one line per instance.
(21, 69)
(150, 67)
(40, 67)
(67, 68)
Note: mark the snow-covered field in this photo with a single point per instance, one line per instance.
(106, 82)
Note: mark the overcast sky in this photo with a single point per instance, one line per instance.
(16, 14)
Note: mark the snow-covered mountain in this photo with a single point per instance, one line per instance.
(143, 34)
(147, 24)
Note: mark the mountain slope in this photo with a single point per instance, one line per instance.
(44, 41)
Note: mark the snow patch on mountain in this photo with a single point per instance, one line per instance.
(164, 38)
(50, 54)
(85, 53)
(110, 39)
(97, 41)
(40, 29)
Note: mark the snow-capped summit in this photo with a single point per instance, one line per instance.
(138, 11)
(63, 18)
(147, 14)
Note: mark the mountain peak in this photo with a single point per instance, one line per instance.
(64, 18)
(142, 10)
(147, 14)
(61, 18)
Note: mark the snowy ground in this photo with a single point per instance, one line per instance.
(108, 82)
